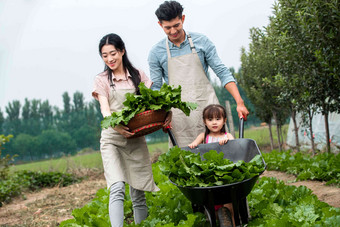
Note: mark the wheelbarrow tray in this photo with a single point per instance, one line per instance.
(208, 197)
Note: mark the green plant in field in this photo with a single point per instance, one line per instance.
(271, 203)
(23, 180)
(168, 207)
(5, 161)
(322, 167)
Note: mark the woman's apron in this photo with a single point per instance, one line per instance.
(125, 159)
(187, 71)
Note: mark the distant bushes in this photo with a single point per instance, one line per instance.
(23, 180)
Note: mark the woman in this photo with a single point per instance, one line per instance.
(125, 160)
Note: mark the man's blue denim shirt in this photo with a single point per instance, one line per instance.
(158, 59)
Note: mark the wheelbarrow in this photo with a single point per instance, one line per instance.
(204, 199)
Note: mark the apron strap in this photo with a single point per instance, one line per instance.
(193, 49)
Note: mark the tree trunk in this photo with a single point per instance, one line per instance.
(296, 131)
(277, 131)
(328, 147)
(278, 136)
(282, 142)
(311, 130)
(271, 136)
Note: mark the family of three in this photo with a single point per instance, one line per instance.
(181, 58)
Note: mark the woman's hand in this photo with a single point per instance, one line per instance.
(124, 131)
(167, 121)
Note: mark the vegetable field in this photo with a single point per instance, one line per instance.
(271, 203)
(85, 203)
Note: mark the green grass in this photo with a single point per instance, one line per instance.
(63, 164)
(93, 160)
(261, 135)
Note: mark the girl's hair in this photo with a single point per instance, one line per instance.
(117, 42)
(211, 111)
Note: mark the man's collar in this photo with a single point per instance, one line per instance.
(173, 45)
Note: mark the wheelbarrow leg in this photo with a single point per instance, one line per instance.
(243, 208)
(210, 210)
(236, 206)
(197, 208)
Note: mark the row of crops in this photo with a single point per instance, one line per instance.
(271, 202)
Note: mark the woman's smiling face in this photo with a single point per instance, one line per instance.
(112, 57)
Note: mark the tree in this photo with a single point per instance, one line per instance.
(53, 144)
(320, 23)
(46, 115)
(13, 117)
(25, 146)
(78, 101)
(257, 77)
(5, 160)
(26, 115)
(86, 136)
(309, 32)
(35, 125)
(67, 105)
(2, 120)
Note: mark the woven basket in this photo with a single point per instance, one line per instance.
(146, 122)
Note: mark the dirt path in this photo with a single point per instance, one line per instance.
(49, 207)
(327, 194)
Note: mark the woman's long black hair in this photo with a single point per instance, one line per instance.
(117, 42)
(211, 111)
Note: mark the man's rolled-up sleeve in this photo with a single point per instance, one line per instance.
(215, 63)
(156, 71)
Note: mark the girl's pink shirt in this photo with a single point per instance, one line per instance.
(102, 84)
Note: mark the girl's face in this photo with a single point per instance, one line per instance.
(112, 57)
(215, 124)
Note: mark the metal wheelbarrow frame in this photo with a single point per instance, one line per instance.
(204, 199)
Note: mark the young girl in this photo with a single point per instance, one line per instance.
(124, 160)
(214, 118)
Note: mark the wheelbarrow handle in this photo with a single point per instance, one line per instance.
(172, 137)
(241, 127)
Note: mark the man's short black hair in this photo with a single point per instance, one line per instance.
(169, 10)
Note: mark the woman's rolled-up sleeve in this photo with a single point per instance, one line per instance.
(100, 88)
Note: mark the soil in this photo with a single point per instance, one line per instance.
(325, 193)
(49, 207)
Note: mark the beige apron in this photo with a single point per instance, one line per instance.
(187, 71)
(124, 159)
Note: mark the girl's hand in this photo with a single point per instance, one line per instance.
(223, 141)
(193, 145)
(124, 131)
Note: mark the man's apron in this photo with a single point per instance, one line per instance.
(187, 71)
(124, 159)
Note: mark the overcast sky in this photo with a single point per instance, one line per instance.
(48, 47)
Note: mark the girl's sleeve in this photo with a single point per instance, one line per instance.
(99, 88)
(144, 78)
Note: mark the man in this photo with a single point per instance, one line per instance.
(183, 58)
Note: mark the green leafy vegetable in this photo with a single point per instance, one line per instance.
(323, 166)
(166, 98)
(188, 169)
